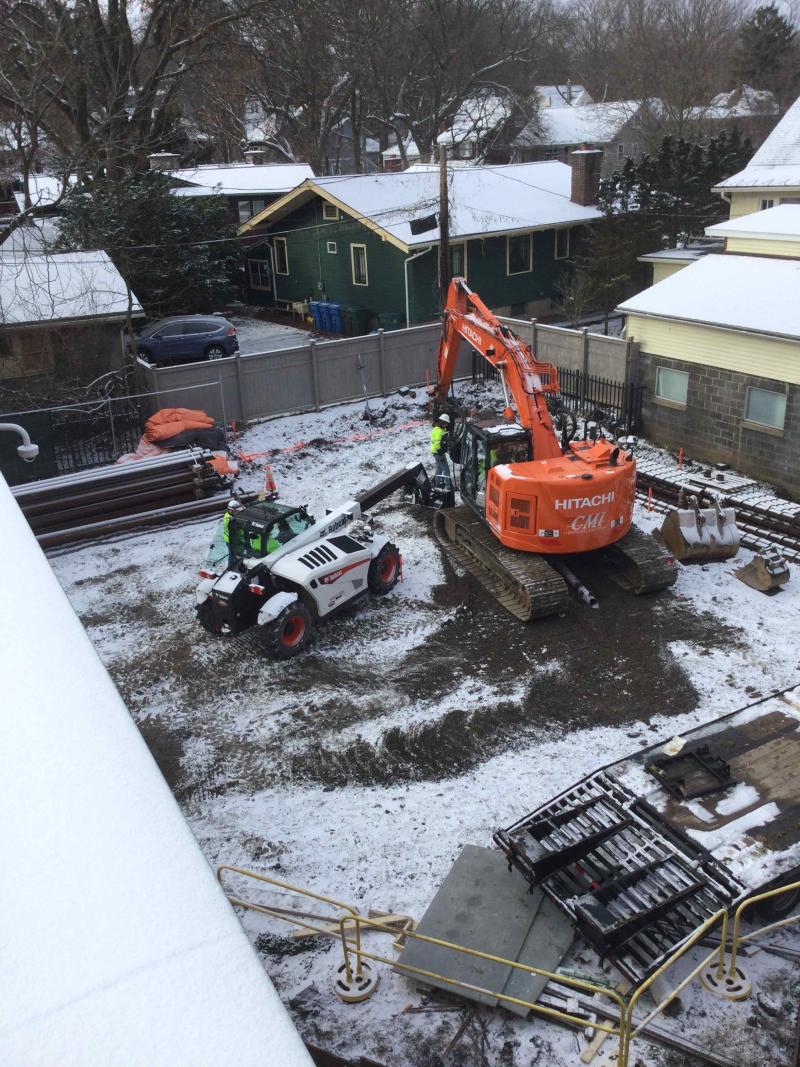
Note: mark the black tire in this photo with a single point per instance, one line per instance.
(145, 354)
(290, 633)
(216, 352)
(205, 616)
(384, 571)
(774, 909)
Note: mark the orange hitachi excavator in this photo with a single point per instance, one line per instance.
(529, 500)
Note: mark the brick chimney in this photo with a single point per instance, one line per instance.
(164, 160)
(255, 156)
(586, 163)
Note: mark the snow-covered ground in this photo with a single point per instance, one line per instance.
(260, 335)
(415, 724)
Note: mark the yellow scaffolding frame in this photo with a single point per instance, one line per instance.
(355, 947)
(624, 1031)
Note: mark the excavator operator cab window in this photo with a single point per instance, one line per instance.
(480, 471)
(468, 462)
(510, 452)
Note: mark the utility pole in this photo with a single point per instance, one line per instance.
(444, 228)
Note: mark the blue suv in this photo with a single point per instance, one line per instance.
(187, 339)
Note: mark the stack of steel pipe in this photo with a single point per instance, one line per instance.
(148, 492)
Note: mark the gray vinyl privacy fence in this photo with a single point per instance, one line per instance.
(317, 374)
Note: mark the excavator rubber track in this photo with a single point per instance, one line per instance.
(643, 565)
(524, 583)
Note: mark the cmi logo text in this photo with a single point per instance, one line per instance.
(589, 522)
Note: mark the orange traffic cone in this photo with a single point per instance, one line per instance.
(270, 484)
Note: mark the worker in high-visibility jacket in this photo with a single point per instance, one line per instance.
(230, 511)
(439, 437)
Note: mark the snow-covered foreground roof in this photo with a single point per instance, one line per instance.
(66, 286)
(781, 223)
(118, 945)
(483, 200)
(777, 162)
(232, 178)
(741, 292)
(578, 125)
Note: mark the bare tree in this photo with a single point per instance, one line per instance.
(576, 294)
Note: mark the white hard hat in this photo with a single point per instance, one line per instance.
(444, 418)
(234, 505)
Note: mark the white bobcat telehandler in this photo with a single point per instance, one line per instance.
(317, 568)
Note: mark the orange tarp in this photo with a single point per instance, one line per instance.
(171, 421)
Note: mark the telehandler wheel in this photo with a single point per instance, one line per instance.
(205, 616)
(384, 571)
(289, 634)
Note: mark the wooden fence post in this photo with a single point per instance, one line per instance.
(242, 412)
(382, 361)
(314, 374)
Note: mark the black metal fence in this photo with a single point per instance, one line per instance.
(75, 437)
(585, 392)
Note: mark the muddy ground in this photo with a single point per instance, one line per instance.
(413, 724)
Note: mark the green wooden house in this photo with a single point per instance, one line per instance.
(349, 239)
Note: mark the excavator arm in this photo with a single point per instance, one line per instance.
(528, 380)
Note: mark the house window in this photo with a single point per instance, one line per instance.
(244, 210)
(562, 243)
(458, 260)
(765, 408)
(358, 261)
(332, 247)
(635, 151)
(466, 149)
(330, 211)
(620, 151)
(551, 153)
(281, 256)
(260, 274)
(672, 386)
(518, 253)
(256, 206)
(790, 199)
(764, 204)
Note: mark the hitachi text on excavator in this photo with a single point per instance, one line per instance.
(530, 500)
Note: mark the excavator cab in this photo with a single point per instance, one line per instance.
(488, 444)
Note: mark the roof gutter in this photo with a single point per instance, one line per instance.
(406, 262)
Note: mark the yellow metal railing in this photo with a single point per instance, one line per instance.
(625, 1031)
(765, 929)
(375, 924)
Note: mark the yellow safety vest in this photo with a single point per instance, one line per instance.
(437, 433)
(226, 521)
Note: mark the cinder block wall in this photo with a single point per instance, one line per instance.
(710, 428)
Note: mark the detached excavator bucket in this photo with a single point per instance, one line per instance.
(695, 533)
(765, 572)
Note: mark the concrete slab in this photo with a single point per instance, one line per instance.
(484, 906)
(545, 946)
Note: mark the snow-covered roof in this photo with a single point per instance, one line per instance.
(483, 200)
(119, 947)
(687, 254)
(475, 118)
(563, 95)
(749, 293)
(233, 178)
(64, 286)
(781, 223)
(44, 190)
(777, 162)
(393, 152)
(591, 123)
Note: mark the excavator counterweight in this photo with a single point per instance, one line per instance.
(528, 496)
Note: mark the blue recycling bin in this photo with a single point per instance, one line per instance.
(336, 317)
(316, 315)
(325, 316)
